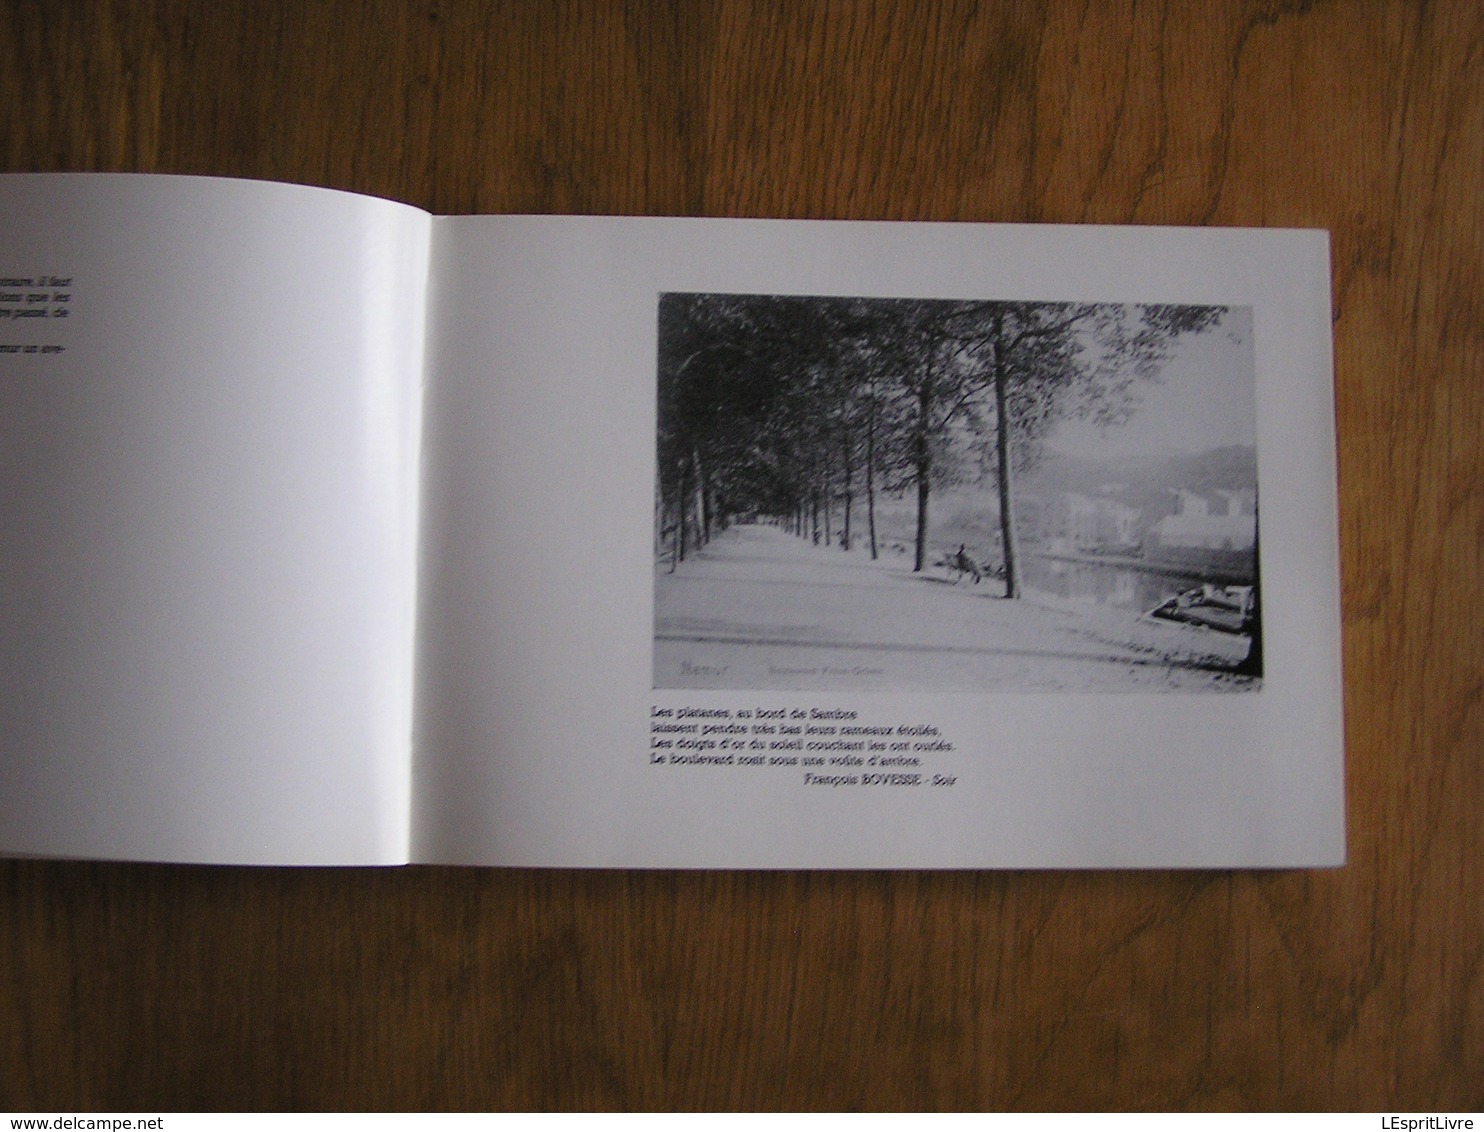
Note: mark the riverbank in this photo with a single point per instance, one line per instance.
(760, 608)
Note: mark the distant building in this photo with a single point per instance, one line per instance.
(1222, 520)
(1093, 524)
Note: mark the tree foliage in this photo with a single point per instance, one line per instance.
(805, 409)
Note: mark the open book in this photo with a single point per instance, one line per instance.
(332, 532)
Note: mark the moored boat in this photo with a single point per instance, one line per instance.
(1228, 609)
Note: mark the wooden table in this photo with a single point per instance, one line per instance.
(152, 987)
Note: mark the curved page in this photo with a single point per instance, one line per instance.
(209, 398)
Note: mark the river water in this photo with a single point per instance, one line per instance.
(1116, 585)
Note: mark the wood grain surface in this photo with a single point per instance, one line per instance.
(152, 987)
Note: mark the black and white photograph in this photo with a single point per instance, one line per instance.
(939, 495)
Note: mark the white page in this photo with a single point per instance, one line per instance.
(208, 506)
(540, 646)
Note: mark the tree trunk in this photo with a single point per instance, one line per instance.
(924, 463)
(703, 508)
(829, 495)
(871, 473)
(849, 487)
(675, 527)
(681, 496)
(922, 519)
(1010, 549)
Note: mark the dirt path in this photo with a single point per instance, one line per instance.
(760, 608)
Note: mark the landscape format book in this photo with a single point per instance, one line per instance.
(332, 532)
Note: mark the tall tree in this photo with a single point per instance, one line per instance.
(929, 376)
(1052, 360)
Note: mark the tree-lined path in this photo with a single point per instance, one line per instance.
(761, 608)
(805, 409)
